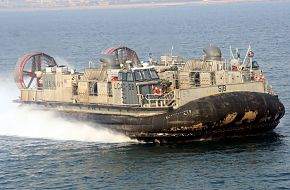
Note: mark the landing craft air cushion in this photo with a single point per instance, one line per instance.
(172, 100)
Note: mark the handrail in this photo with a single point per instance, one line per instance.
(154, 100)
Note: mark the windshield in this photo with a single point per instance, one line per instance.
(146, 74)
(138, 76)
(130, 77)
(153, 74)
(122, 76)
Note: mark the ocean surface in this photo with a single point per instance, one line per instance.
(43, 151)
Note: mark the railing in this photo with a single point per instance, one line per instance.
(269, 89)
(156, 100)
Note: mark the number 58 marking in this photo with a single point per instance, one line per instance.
(222, 88)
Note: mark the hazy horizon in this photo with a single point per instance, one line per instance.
(12, 4)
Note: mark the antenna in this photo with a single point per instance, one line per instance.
(251, 55)
(231, 53)
(249, 49)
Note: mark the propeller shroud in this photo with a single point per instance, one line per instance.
(27, 68)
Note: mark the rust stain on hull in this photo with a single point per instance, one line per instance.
(230, 118)
(195, 127)
(248, 117)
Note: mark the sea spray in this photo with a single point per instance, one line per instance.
(61, 61)
(24, 121)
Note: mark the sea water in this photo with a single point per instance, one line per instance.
(40, 150)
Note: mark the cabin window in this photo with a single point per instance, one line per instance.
(122, 76)
(145, 89)
(153, 74)
(195, 77)
(130, 77)
(110, 92)
(138, 76)
(146, 74)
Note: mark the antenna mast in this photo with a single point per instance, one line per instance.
(247, 53)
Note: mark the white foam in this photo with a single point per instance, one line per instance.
(31, 123)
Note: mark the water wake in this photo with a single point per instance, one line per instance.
(25, 122)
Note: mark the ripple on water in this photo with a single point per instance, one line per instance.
(75, 37)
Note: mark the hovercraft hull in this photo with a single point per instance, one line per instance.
(212, 117)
